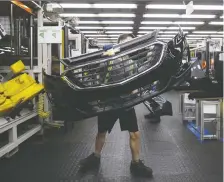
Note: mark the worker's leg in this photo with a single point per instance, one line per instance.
(105, 124)
(99, 143)
(128, 121)
(135, 145)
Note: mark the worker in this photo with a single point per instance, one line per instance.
(128, 122)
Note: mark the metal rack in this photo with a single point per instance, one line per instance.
(11, 125)
(208, 106)
(207, 110)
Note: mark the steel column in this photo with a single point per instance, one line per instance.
(207, 58)
(31, 41)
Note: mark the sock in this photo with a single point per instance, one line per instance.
(96, 155)
(135, 161)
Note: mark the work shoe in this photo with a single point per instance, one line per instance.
(153, 118)
(90, 163)
(140, 170)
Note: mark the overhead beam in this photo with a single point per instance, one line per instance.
(139, 12)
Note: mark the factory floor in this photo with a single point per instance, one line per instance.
(172, 151)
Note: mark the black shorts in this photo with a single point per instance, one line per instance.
(127, 118)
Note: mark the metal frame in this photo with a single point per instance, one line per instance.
(183, 107)
(10, 125)
(201, 120)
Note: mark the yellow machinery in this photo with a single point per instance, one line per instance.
(18, 90)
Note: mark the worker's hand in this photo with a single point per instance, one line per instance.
(135, 91)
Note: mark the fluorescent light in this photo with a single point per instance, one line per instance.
(170, 22)
(89, 31)
(208, 7)
(188, 22)
(216, 23)
(78, 27)
(88, 22)
(121, 28)
(116, 22)
(183, 28)
(118, 32)
(151, 28)
(73, 5)
(69, 5)
(116, 15)
(162, 32)
(206, 32)
(119, 6)
(194, 38)
(221, 16)
(177, 16)
(100, 35)
(193, 35)
(216, 38)
(177, 6)
(97, 15)
(108, 28)
(165, 6)
(167, 35)
(77, 15)
(156, 22)
(217, 35)
(110, 32)
(167, 32)
(197, 16)
(161, 15)
(105, 38)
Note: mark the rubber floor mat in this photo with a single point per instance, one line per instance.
(172, 151)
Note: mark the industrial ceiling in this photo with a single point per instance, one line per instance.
(105, 21)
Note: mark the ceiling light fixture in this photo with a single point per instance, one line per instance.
(117, 22)
(170, 32)
(89, 31)
(112, 32)
(117, 28)
(194, 38)
(188, 22)
(195, 35)
(177, 6)
(165, 6)
(105, 38)
(105, 22)
(161, 15)
(151, 28)
(206, 32)
(164, 35)
(107, 28)
(100, 35)
(177, 16)
(197, 16)
(216, 23)
(208, 7)
(119, 6)
(97, 15)
(156, 22)
(183, 28)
